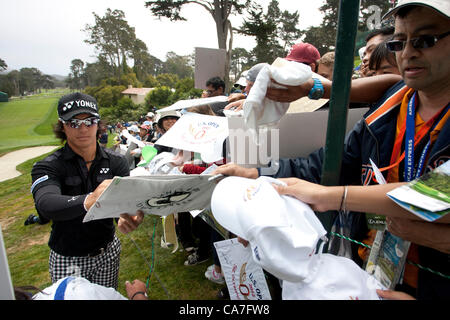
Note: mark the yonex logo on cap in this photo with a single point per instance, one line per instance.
(79, 103)
(104, 170)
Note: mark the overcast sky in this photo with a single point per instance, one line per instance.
(46, 34)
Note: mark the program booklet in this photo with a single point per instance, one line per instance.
(428, 197)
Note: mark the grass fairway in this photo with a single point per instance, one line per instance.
(27, 122)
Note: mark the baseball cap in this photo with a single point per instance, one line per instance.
(150, 114)
(333, 278)
(441, 6)
(133, 128)
(303, 52)
(77, 288)
(254, 71)
(76, 103)
(283, 232)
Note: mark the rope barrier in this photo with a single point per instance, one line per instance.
(408, 261)
(150, 264)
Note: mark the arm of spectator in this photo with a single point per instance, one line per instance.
(231, 169)
(432, 235)
(235, 97)
(394, 295)
(370, 199)
(236, 106)
(136, 290)
(368, 90)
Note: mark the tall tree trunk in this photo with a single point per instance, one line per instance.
(223, 25)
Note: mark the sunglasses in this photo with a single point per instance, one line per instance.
(76, 123)
(421, 42)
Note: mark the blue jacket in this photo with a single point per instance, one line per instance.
(373, 138)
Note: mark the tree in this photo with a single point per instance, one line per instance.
(151, 82)
(113, 38)
(97, 71)
(76, 78)
(275, 31)
(324, 36)
(241, 60)
(167, 79)
(220, 10)
(371, 13)
(159, 97)
(123, 110)
(3, 65)
(143, 62)
(182, 66)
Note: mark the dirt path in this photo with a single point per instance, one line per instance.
(9, 161)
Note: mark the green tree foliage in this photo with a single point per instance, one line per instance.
(167, 79)
(123, 110)
(219, 10)
(107, 96)
(76, 79)
(275, 31)
(159, 97)
(3, 65)
(324, 36)
(184, 89)
(241, 60)
(25, 81)
(113, 38)
(150, 82)
(182, 66)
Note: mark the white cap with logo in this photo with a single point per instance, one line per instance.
(441, 6)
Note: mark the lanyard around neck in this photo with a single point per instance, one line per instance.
(412, 139)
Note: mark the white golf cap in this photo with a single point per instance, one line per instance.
(242, 81)
(283, 232)
(441, 6)
(133, 128)
(77, 288)
(333, 278)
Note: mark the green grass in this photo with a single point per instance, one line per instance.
(26, 122)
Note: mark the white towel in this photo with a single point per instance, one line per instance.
(261, 113)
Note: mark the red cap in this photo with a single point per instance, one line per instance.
(304, 53)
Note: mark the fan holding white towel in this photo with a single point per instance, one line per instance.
(263, 113)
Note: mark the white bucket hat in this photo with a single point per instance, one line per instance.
(283, 232)
(441, 6)
(333, 278)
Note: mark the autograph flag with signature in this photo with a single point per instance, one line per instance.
(158, 194)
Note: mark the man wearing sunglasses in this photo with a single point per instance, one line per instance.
(67, 183)
(412, 113)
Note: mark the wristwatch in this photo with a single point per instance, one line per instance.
(316, 91)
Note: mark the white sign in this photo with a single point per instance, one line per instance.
(208, 63)
(297, 135)
(186, 104)
(6, 288)
(198, 133)
(244, 277)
